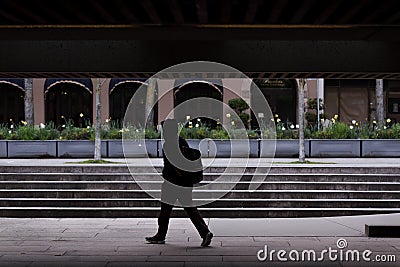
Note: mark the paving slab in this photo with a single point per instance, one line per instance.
(120, 242)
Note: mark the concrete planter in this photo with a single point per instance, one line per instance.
(79, 149)
(285, 148)
(201, 145)
(3, 149)
(132, 149)
(235, 148)
(380, 148)
(336, 148)
(32, 149)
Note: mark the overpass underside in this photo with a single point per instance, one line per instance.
(264, 39)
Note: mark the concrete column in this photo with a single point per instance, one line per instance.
(105, 100)
(38, 101)
(165, 98)
(233, 88)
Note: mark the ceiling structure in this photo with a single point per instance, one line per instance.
(263, 38)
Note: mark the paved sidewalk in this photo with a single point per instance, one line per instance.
(120, 242)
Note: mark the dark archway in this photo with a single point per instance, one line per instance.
(281, 95)
(194, 89)
(121, 93)
(69, 100)
(11, 102)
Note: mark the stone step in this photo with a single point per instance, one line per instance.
(120, 168)
(306, 177)
(218, 203)
(242, 194)
(143, 212)
(242, 185)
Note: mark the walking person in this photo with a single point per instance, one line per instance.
(176, 186)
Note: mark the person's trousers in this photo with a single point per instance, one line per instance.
(166, 209)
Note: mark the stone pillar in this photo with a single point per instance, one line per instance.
(165, 98)
(233, 88)
(39, 101)
(105, 100)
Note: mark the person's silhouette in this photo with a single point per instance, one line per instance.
(175, 187)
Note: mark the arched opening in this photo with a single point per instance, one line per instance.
(281, 95)
(67, 100)
(11, 102)
(194, 89)
(121, 93)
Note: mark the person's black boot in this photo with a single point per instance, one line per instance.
(155, 240)
(207, 239)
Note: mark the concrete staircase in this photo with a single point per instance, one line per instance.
(110, 191)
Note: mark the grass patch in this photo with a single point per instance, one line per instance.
(306, 162)
(92, 161)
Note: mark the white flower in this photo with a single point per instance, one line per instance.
(336, 116)
(9, 132)
(374, 122)
(198, 119)
(283, 128)
(276, 115)
(351, 127)
(42, 125)
(107, 120)
(63, 126)
(187, 117)
(81, 115)
(384, 127)
(88, 127)
(12, 126)
(190, 123)
(233, 123)
(353, 121)
(322, 120)
(278, 120)
(228, 115)
(197, 125)
(388, 120)
(292, 126)
(297, 126)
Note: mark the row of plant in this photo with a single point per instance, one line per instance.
(284, 130)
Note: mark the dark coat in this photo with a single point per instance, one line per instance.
(169, 171)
